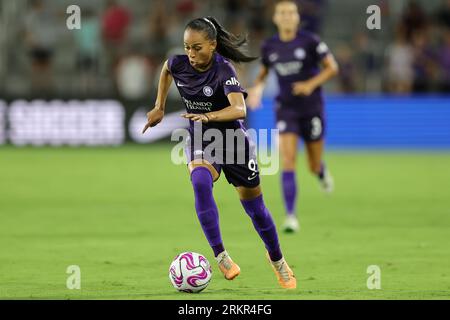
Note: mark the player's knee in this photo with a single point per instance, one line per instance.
(289, 163)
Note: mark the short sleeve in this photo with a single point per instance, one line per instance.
(176, 63)
(230, 80)
(170, 63)
(320, 48)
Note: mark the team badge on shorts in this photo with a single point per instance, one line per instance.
(208, 91)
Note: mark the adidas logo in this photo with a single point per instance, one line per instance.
(232, 82)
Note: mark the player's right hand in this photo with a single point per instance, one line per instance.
(254, 98)
(303, 88)
(153, 118)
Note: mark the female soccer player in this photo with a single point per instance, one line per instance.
(213, 97)
(296, 57)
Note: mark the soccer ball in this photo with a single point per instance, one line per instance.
(190, 272)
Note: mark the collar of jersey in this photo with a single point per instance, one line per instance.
(212, 65)
(289, 42)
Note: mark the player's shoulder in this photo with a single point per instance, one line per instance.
(314, 41)
(227, 74)
(176, 62)
(222, 61)
(305, 34)
(224, 65)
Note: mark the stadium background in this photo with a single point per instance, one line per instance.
(112, 210)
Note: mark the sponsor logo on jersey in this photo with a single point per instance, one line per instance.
(198, 105)
(232, 82)
(288, 68)
(208, 91)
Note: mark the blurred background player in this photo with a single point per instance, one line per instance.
(208, 84)
(296, 57)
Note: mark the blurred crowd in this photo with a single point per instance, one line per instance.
(413, 58)
(418, 59)
(121, 45)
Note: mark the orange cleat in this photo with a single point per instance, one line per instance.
(227, 266)
(285, 275)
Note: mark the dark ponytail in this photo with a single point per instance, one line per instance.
(228, 45)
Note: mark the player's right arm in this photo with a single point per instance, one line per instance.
(255, 93)
(157, 113)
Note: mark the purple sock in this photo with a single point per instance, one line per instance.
(264, 225)
(321, 173)
(206, 208)
(289, 191)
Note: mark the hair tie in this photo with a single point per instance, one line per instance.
(212, 24)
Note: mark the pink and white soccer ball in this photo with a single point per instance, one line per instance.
(190, 272)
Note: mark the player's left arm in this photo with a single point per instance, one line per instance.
(329, 70)
(237, 110)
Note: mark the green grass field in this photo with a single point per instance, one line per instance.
(122, 214)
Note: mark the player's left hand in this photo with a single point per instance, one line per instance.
(196, 117)
(302, 88)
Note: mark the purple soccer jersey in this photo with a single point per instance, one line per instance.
(207, 91)
(296, 60)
